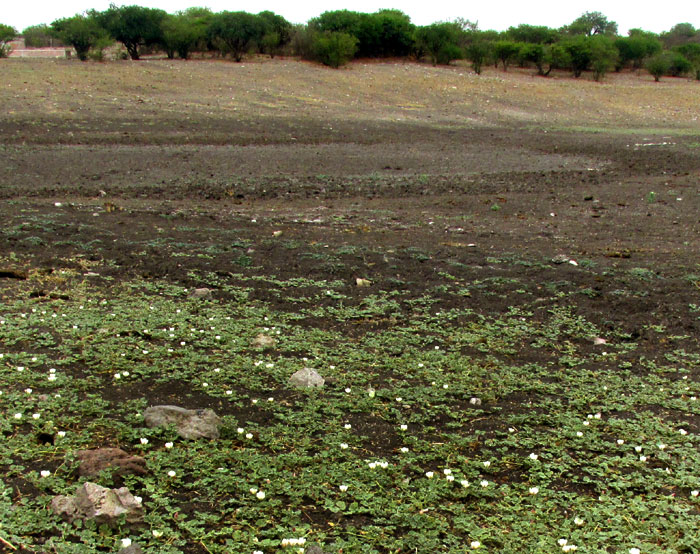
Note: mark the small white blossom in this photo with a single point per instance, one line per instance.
(168, 445)
(36, 416)
(578, 521)
(620, 441)
(534, 490)
(249, 435)
(61, 433)
(343, 488)
(484, 483)
(404, 449)
(404, 427)
(429, 474)
(635, 551)
(533, 456)
(126, 543)
(144, 440)
(260, 495)
(45, 473)
(642, 458)
(562, 542)
(487, 464)
(343, 445)
(464, 483)
(695, 493)
(475, 544)
(171, 473)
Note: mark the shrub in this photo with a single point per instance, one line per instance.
(235, 33)
(83, 33)
(7, 33)
(133, 26)
(39, 36)
(658, 66)
(334, 48)
(477, 52)
(441, 41)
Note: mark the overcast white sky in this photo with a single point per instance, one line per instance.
(656, 16)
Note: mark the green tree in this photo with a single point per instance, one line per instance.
(658, 66)
(533, 34)
(681, 33)
(505, 51)
(7, 33)
(235, 33)
(276, 33)
(441, 41)
(680, 65)
(534, 54)
(477, 52)
(603, 55)
(691, 51)
(182, 33)
(395, 33)
(636, 48)
(334, 48)
(80, 31)
(591, 23)
(39, 36)
(133, 26)
(579, 52)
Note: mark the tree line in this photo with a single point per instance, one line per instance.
(589, 43)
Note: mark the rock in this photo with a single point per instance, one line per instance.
(91, 501)
(306, 378)
(94, 461)
(362, 282)
(190, 424)
(131, 549)
(263, 341)
(201, 293)
(560, 259)
(313, 549)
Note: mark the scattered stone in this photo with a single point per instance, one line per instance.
(306, 378)
(263, 341)
(314, 549)
(201, 293)
(475, 401)
(91, 501)
(362, 282)
(560, 259)
(93, 461)
(131, 549)
(189, 424)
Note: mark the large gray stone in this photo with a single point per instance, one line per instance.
(190, 424)
(306, 378)
(92, 501)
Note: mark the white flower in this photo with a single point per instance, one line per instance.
(487, 463)
(253, 490)
(598, 415)
(36, 416)
(620, 441)
(694, 493)
(635, 551)
(586, 423)
(578, 521)
(372, 465)
(534, 490)
(533, 456)
(171, 473)
(168, 445)
(569, 547)
(126, 543)
(348, 426)
(138, 499)
(45, 473)
(399, 399)
(579, 434)
(144, 441)
(249, 435)
(562, 542)
(343, 445)
(445, 386)
(404, 427)
(371, 392)
(429, 474)
(642, 458)
(638, 448)
(484, 483)
(682, 431)
(464, 483)
(450, 478)
(61, 433)
(475, 544)
(260, 495)
(28, 391)
(447, 471)
(348, 390)
(343, 488)
(404, 449)
(662, 446)
(229, 392)
(157, 533)
(240, 430)
(117, 375)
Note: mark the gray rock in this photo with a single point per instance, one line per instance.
(560, 259)
(314, 549)
(190, 424)
(263, 341)
(132, 549)
(91, 501)
(306, 378)
(93, 461)
(201, 293)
